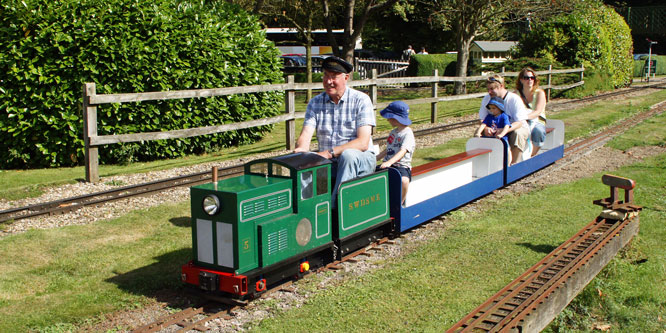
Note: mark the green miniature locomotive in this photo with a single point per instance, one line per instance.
(276, 221)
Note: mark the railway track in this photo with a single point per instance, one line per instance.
(195, 318)
(532, 300)
(67, 205)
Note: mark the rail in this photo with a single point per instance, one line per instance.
(91, 100)
(531, 301)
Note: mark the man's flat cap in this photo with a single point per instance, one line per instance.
(335, 64)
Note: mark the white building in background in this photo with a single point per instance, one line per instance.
(487, 52)
(286, 39)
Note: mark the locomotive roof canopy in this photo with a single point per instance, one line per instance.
(299, 161)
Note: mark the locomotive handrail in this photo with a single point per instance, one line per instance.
(91, 100)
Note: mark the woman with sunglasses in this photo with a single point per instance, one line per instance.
(534, 98)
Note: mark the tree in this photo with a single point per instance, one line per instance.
(472, 18)
(299, 14)
(352, 22)
(594, 35)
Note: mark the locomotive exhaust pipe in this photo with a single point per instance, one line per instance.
(214, 177)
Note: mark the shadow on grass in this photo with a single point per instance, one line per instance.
(183, 221)
(543, 248)
(159, 280)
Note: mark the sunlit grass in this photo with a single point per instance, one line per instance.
(64, 278)
(479, 252)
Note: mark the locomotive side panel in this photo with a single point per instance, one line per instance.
(362, 203)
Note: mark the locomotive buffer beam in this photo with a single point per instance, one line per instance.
(533, 300)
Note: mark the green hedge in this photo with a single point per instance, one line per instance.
(593, 35)
(425, 64)
(52, 47)
(639, 65)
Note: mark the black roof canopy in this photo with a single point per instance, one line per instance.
(297, 161)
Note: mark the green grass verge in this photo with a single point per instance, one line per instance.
(50, 279)
(594, 117)
(438, 283)
(60, 279)
(650, 133)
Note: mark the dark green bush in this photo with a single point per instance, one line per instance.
(593, 35)
(52, 47)
(425, 64)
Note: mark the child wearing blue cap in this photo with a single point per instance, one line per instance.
(400, 143)
(497, 123)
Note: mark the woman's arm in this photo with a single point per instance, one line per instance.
(539, 106)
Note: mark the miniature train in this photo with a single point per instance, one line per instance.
(277, 220)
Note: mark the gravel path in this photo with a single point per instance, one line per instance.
(602, 159)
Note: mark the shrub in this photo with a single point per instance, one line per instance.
(640, 65)
(52, 47)
(425, 64)
(593, 35)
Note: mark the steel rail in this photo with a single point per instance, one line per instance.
(613, 231)
(74, 203)
(181, 318)
(67, 205)
(556, 280)
(483, 312)
(536, 284)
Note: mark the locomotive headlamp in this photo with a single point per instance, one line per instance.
(211, 204)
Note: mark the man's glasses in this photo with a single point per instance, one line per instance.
(525, 77)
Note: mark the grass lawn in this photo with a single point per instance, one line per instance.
(59, 279)
(477, 254)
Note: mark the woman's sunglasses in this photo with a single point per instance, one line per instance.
(525, 77)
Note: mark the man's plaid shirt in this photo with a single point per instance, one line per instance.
(337, 124)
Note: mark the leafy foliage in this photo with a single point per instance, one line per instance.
(593, 35)
(425, 64)
(51, 48)
(640, 66)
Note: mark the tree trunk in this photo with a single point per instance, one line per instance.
(308, 63)
(461, 65)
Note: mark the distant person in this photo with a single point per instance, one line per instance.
(534, 98)
(400, 143)
(408, 52)
(514, 108)
(343, 119)
(496, 124)
(423, 51)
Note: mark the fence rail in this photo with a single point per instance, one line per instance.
(91, 100)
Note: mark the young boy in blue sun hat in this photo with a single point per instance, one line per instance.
(496, 124)
(400, 143)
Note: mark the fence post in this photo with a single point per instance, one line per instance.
(90, 130)
(433, 105)
(582, 73)
(550, 69)
(373, 87)
(290, 108)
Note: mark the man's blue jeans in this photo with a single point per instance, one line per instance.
(350, 164)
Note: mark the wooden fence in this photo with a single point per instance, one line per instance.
(91, 100)
(385, 68)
